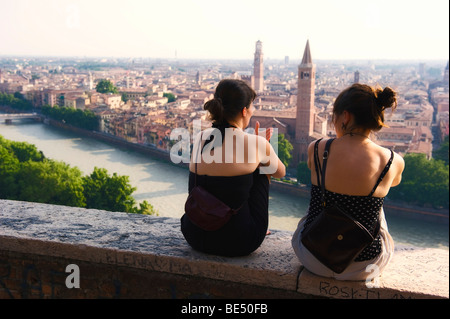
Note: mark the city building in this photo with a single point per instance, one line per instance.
(305, 119)
(303, 125)
(258, 68)
(297, 100)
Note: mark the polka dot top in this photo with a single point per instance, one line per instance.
(362, 208)
(365, 209)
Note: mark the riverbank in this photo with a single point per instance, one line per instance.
(397, 208)
(281, 188)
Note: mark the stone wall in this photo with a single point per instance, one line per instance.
(119, 255)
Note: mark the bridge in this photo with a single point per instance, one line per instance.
(8, 118)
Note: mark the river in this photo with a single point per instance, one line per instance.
(165, 185)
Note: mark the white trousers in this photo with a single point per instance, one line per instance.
(356, 270)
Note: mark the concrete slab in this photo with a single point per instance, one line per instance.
(156, 244)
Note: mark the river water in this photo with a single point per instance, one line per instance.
(165, 185)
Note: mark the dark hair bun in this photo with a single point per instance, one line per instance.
(215, 109)
(366, 103)
(230, 97)
(386, 98)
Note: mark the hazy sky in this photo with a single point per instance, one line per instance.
(337, 29)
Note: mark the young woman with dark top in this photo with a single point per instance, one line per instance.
(358, 177)
(231, 166)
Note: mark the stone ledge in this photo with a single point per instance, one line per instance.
(156, 244)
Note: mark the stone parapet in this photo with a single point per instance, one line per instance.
(137, 256)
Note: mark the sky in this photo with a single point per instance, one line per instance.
(227, 29)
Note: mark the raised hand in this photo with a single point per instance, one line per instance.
(269, 131)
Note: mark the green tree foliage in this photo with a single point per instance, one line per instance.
(111, 193)
(26, 152)
(25, 174)
(106, 86)
(85, 119)
(51, 182)
(16, 101)
(145, 208)
(284, 150)
(423, 182)
(303, 173)
(442, 152)
(170, 97)
(9, 166)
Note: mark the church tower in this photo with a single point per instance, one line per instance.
(445, 80)
(304, 125)
(258, 68)
(91, 82)
(356, 76)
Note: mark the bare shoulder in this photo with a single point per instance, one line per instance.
(397, 159)
(399, 162)
(397, 165)
(322, 141)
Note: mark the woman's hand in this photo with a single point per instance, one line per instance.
(269, 131)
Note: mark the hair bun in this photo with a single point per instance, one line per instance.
(386, 98)
(215, 109)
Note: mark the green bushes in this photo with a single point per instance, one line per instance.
(424, 182)
(85, 119)
(26, 174)
(16, 101)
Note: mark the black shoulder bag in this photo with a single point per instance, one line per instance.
(205, 210)
(334, 237)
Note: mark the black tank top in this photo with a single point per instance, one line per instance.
(247, 229)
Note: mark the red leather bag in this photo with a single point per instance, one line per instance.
(205, 210)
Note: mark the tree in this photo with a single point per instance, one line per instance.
(106, 86)
(442, 152)
(170, 97)
(51, 182)
(9, 166)
(112, 193)
(26, 152)
(16, 101)
(284, 149)
(85, 119)
(145, 208)
(423, 182)
(25, 174)
(303, 173)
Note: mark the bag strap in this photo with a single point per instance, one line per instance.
(326, 154)
(383, 173)
(233, 210)
(199, 150)
(316, 161)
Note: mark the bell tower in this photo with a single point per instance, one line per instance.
(304, 125)
(258, 68)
